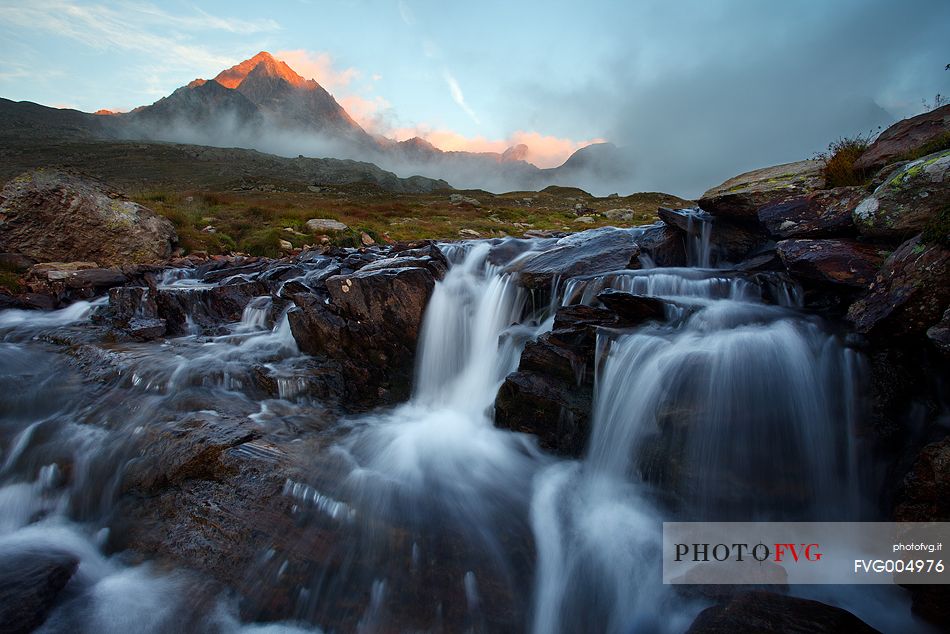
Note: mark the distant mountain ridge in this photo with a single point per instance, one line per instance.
(262, 103)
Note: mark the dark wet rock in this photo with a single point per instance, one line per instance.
(742, 196)
(664, 245)
(683, 219)
(728, 241)
(909, 201)
(905, 137)
(93, 278)
(908, 295)
(764, 612)
(585, 253)
(430, 258)
(633, 308)
(30, 582)
(550, 395)
(821, 214)
(130, 302)
(370, 327)
(765, 260)
(939, 333)
(843, 262)
(925, 497)
(147, 329)
(50, 215)
(391, 298)
(206, 308)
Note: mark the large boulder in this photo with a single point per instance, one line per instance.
(585, 253)
(820, 214)
(905, 137)
(51, 215)
(910, 199)
(831, 261)
(762, 612)
(909, 294)
(742, 196)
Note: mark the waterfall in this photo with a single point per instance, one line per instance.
(735, 410)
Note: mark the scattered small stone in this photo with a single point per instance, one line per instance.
(585, 220)
(366, 239)
(469, 233)
(285, 245)
(209, 229)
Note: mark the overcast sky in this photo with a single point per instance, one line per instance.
(695, 91)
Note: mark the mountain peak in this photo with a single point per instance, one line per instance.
(262, 63)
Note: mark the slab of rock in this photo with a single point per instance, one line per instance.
(905, 136)
(764, 612)
(324, 225)
(908, 201)
(821, 214)
(594, 251)
(831, 261)
(742, 196)
(51, 215)
(908, 295)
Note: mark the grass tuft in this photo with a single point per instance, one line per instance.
(839, 161)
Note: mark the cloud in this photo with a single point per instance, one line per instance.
(458, 97)
(371, 113)
(406, 13)
(318, 66)
(745, 85)
(132, 27)
(543, 150)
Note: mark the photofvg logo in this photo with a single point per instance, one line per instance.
(804, 552)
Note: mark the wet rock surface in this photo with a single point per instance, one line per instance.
(594, 251)
(825, 213)
(762, 612)
(908, 295)
(842, 262)
(30, 584)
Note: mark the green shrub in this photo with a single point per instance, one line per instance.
(937, 144)
(839, 161)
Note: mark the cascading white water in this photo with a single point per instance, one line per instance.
(737, 409)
